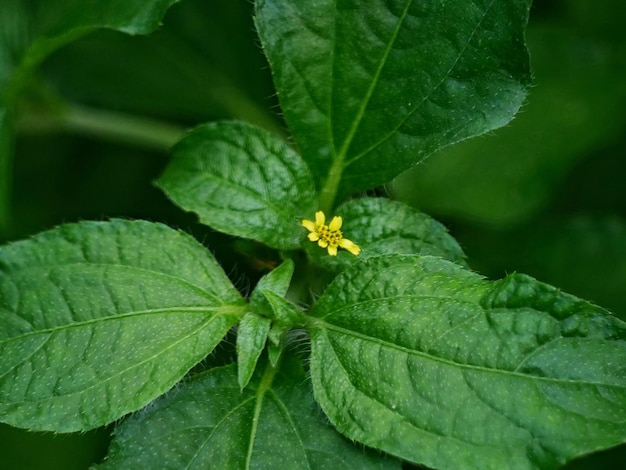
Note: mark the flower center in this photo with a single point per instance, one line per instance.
(329, 236)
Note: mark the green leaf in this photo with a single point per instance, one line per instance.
(98, 319)
(287, 316)
(268, 299)
(581, 254)
(434, 364)
(381, 226)
(504, 179)
(31, 31)
(201, 65)
(285, 312)
(208, 423)
(243, 181)
(368, 91)
(274, 352)
(277, 280)
(251, 337)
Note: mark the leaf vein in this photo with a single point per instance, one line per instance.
(426, 97)
(414, 352)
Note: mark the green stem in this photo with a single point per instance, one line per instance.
(122, 127)
(6, 167)
(329, 191)
(46, 111)
(107, 125)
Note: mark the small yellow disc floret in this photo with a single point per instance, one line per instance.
(329, 236)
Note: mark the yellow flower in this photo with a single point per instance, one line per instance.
(329, 236)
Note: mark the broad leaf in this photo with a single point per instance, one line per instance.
(208, 423)
(505, 179)
(583, 255)
(434, 364)
(381, 226)
(251, 337)
(370, 88)
(243, 181)
(97, 319)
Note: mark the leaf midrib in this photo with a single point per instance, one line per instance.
(70, 265)
(426, 97)
(386, 299)
(224, 309)
(136, 365)
(252, 194)
(370, 91)
(335, 172)
(472, 367)
(216, 427)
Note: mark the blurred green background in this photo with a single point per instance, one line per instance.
(545, 195)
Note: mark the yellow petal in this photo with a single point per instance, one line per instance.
(314, 236)
(350, 246)
(335, 224)
(309, 225)
(320, 218)
(332, 250)
(323, 243)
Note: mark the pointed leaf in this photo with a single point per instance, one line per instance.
(209, 423)
(506, 179)
(241, 180)
(284, 311)
(369, 90)
(427, 361)
(274, 352)
(381, 226)
(251, 337)
(98, 319)
(277, 280)
(286, 316)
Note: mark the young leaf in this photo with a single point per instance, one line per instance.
(277, 280)
(287, 316)
(274, 352)
(285, 312)
(243, 181)
(208, 423)
(381, 226)
(429, 362)
(268, 299)
(98, 319)
(369, 90)
(251, 337)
